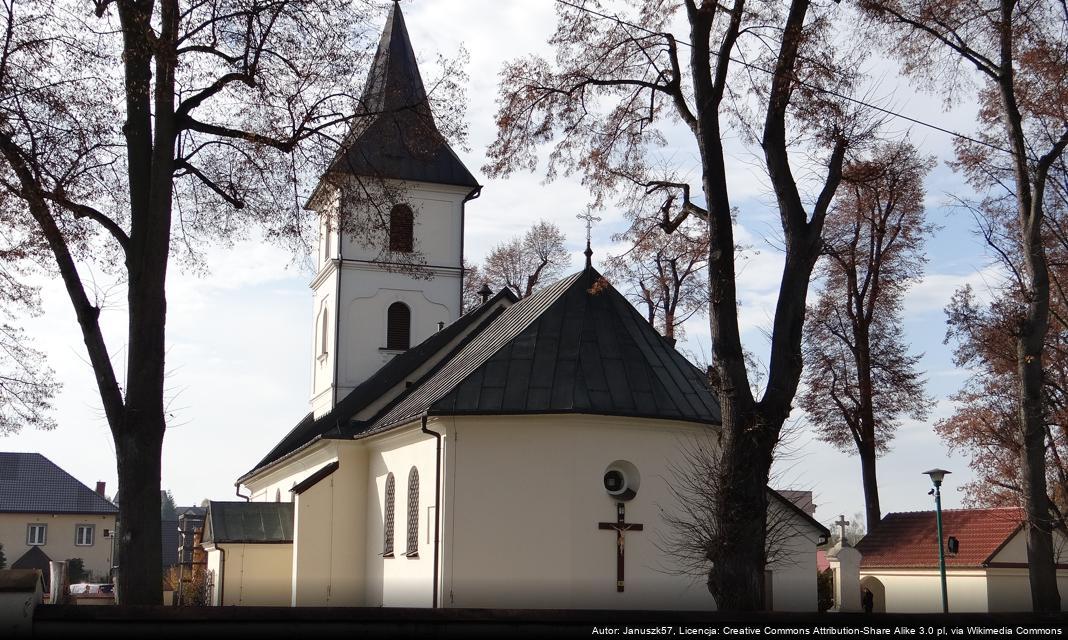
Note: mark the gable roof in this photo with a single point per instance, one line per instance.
(336, 421)
(790, 500)
(910, 539)
(35, 558)
(577, 346)
(394, 134)
(249, 522)
(31, 483)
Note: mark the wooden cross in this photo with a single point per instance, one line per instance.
(620, 527)
(842, 522)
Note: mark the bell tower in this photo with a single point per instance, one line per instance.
(368, 306)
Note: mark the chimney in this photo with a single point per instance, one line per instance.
(100, 488)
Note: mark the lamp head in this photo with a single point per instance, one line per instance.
(937, 475)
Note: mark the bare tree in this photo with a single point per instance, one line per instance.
(473, 281)
(859, 378)
(522, 264)
(614, 81)
(137, 133)
(666, 275)
(1019, 51)
(689, 515)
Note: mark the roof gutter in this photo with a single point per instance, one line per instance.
(437, 510)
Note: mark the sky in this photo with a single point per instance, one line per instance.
(240, 338)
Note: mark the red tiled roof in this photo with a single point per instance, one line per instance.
(909, 539)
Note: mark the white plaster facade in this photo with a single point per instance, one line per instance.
(522, 497)
(1001, 586)
(354, 288)
(250, 574)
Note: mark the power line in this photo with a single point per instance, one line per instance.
(831, 92)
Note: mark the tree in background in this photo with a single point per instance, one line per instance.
(614, 82)
(76, 571)
(859, 378)
(168, 510)
(665, 275)
(523, 264)
(473, 281)
(140, 132)
(855, 531)
(1019, 50)
(3, 558)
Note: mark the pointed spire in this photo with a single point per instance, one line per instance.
(397, 136)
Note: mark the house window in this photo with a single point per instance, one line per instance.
(398, 326)
(36, 534)
(387, 534)
(400, 229)
(84, 534)
(413, 513)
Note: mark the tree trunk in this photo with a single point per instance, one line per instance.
(736, 580)
(139, 555)
(1040, 557)
(872, 512)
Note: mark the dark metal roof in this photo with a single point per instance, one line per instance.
(394, 135)
(336, 421)
(577, 346)
(31, 483)
(249, 522)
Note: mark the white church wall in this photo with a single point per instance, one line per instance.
(367, 291)
(400, 581)
(438, 225)
(524, 497)
(324, 324)
(793, 565)
(279, 480)
(328, 560)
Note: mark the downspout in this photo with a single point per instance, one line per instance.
(222, 574)
(237, 492)
(337, 311)
(437, 509)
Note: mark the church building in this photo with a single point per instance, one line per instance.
(519, 455)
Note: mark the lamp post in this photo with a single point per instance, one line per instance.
(936, 478)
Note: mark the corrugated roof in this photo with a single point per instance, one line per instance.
(31, 483)
(249, 522)
(397, 136)
(910, 539)
(576, 346)
(336, 420)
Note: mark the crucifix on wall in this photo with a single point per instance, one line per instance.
(620, 526)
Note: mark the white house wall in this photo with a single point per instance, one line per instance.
(277, 481)
(524, 497)
(920, 591)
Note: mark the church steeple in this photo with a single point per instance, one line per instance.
(366, 311)
(394, 134)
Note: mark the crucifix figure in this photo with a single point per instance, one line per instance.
(620, 526)
(590, 219)
(842, 523)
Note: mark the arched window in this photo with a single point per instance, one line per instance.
(413, 513)
(387, 534)
(277, 495)
(398, 326)
(324, 339)
(401, 229)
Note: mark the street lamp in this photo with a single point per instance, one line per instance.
(937, 475)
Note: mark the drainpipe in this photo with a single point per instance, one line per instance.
(437, 508)
(237, 492)
(222, 574)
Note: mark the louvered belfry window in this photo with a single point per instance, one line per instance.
(401, 229)
(413, 513)
(398, 326)
(387, 534)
